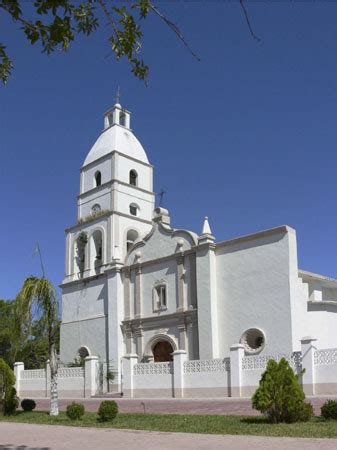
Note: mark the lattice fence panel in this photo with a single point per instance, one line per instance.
(163, 368)
(325, 357)
(207, 365)
(260, 362)
(71, 372)
(33, 374)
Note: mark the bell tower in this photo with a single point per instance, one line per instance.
(116, 200)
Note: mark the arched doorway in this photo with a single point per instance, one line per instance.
(162, 351)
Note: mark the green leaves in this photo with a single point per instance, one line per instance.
(57, 23)
(280, 395)
(5, 64)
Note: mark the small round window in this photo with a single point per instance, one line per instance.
(253, 340)
(96, 208)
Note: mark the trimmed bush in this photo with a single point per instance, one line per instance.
(11, 402)
(107, 411)
(329, 410)
(8, 402)
(75, 411)
(280, 395)
(28, 404)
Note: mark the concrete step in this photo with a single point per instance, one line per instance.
(108, 395)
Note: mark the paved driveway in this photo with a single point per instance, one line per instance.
(51, 437)
(228, 406)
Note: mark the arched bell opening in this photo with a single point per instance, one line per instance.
(97, 249)
(131, 237)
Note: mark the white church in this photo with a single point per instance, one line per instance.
(135, 285)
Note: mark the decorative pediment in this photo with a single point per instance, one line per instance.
(162, 241)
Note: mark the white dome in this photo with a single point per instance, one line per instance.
(116, 138)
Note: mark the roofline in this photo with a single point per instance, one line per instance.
(315, 275)
(260, 234)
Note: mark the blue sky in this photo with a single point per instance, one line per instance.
(247, 136)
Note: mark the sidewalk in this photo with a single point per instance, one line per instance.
(50, 437)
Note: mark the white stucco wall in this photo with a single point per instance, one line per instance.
(144, 172)
(253, 290)
(88, 173)
(90, 333)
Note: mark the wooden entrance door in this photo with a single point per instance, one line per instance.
(162, 352)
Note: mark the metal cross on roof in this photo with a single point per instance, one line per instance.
(161, 197)
(118, 95)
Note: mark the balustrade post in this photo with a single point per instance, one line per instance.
(308, 352)
(91, 376)
(179, 357)
(236, 355)
(129, 362)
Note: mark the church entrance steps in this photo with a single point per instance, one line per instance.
(108, 395)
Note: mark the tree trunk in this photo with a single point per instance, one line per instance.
(54, 400)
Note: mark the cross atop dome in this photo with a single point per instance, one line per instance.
(118, 97)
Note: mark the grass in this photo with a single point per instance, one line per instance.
(240, 425)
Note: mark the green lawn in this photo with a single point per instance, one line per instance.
(317, 427)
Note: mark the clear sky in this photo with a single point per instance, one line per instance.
(247, 136)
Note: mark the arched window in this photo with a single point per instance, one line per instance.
(98, 178)
(133, 208)
(131, 238)
(122, 119)
(159, 296)
(133, 178)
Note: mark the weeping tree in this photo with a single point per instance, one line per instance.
(38, 297)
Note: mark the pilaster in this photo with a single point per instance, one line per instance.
(138, 292)
(181, 283)
(207, 301)
(115, 315)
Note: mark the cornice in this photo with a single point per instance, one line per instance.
(110, 213)
(110, 183)
(108, 155)
(138, 322)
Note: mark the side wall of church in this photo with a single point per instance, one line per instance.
(253, 289)
(84, 319)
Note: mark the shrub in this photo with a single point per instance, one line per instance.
(107, 411)
(11, 402)
(28, 405)
(280, 395)
(329, 409)
(75, 411)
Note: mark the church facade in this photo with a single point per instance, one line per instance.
(136, 285)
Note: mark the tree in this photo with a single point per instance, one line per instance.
(39, 293)
(56, 23)
(19, 342)
(280, 395)
(8, 400)
(6, 328)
